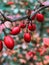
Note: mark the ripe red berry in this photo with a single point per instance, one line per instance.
(15, 30)
(46, 46)
(22, 25)
(32, 27)
(1, 45)
(27, 37)
(33, 17)
(30, 53)
(10, 3)
(9, 42)
(39, 50)
(40, 17)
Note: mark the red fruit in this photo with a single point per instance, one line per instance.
(10, 3)
(46, 42)
(30, 53)
(27, 37)
(9, 42)
(22, 25)
(33, 17)
(46, 46)
(42, 52)
(1, 45)
(32, 27)
(39, 50)
(15, 31)
(40, 17)
(33, 52)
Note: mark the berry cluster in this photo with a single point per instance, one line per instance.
(9, 41)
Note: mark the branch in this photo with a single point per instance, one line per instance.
(36, 11)
(14, 19)
(24, 17)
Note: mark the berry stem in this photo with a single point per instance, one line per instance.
(41, 29)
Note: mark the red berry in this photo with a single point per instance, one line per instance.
(22, 25)
(27, 37)
(40, 17)
(33, 17)
(33, 52)
(9, 42)
(30, 53)
(1, 45)
(10, 3)
(39, 50)
(15, 31)
(46, 46)
(32, 27)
